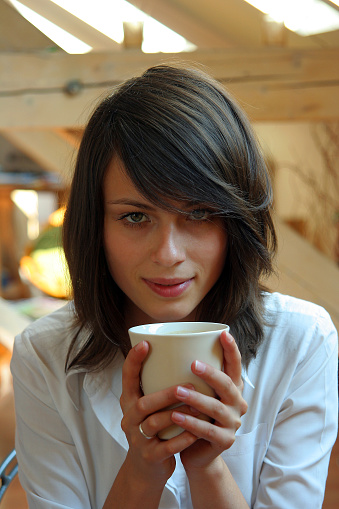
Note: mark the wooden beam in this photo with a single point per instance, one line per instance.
(72, 136)
(12, 24)
(270, 83)
(184, 21)
(47, 148)
(71, 24)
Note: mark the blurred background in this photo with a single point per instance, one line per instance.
(279, 59)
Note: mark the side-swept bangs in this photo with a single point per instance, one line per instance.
(186, 139)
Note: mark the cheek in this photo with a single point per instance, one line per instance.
(216, 250)
(115, 257)
(122, 256)
(210, 254)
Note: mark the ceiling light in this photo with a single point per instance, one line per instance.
(305, 17)
(108, 19)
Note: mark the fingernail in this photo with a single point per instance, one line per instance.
(199, 367)
(182, 392)
(229, 339)
(140, 346)
(178, 418)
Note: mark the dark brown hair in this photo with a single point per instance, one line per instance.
(180, 136)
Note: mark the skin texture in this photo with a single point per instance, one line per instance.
(151, 245)
(147, 249)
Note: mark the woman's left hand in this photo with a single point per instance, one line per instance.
(224, 411)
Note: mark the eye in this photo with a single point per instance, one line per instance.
(199, 214)
(135, 217)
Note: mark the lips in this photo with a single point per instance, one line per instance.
(168, 287)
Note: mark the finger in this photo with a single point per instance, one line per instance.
(232, 358)
(156, 402)
(163, 449)
(222, 384)
(131, 370)
(159, 421)
(221, 437)
(225, 414)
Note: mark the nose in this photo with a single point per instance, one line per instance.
(168, 247)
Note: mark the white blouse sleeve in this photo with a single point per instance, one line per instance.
(49, 468)
(296, 463)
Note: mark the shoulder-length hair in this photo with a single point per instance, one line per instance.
(180, 136)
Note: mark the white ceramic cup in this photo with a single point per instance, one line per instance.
(173, 348)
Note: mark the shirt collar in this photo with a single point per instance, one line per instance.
(245, 377)
(109, 378)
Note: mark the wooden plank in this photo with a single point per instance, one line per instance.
(186, 22)
(50, 150)
(271, 83)
(289, 102)
(22, 72)
(237, 22)
(12, 24)
(57, 110)
(71, 24)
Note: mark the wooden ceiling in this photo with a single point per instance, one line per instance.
(208, 24)
(223, 23)
(46, 94)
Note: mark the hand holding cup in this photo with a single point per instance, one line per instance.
(173, 348)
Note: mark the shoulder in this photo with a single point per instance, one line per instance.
(298, 327)
(287, 306)
(300, 344)
(287, 311)
(46, 341)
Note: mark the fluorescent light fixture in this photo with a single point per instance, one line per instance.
(305, 17)
(159, 38)
(64, 39)
(107, 17)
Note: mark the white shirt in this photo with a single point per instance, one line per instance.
(70, 444)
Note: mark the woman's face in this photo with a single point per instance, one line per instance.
(165, 262)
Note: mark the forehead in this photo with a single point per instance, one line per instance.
(116, 180)
(119, 188)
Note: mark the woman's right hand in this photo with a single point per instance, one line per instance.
(149, 460)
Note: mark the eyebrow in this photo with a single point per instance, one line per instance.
(131, 203)
(151, 208)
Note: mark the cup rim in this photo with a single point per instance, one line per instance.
(155, 329)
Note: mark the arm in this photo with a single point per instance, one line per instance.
(211, 482)
(149, 463)
(50, 469)
(48, 460)
(295, 467)
(215, 485)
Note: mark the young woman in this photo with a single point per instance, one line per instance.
(169, 220)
